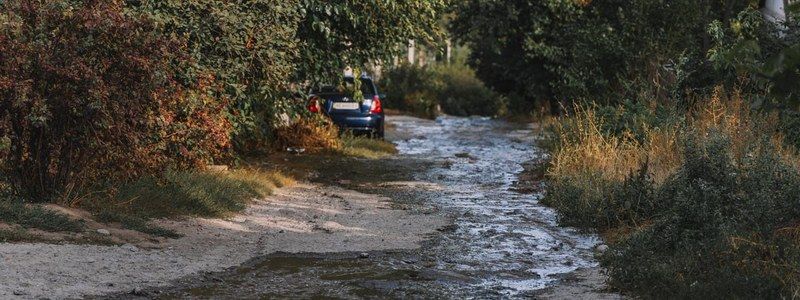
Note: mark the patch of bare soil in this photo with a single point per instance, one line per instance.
(304, 218)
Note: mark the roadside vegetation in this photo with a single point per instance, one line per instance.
(120, 107)
(317, 134)
(449, 88)
(674, 136)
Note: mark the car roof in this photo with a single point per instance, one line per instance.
(363, 76)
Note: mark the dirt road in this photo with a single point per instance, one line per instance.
(501, 243)
(444, 219)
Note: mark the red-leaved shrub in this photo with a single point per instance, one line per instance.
(87, 96)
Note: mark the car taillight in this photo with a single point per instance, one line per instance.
(376, 105)
(313, 105)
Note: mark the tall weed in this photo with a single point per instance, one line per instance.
(709, 200)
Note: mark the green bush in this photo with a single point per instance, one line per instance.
(453, 88)
(790, 127)
(461, 93)
(249, 47)
(408, 88)
(701, 205)
(633, 119)
(590, 201)
(87, 96)
(729, 229)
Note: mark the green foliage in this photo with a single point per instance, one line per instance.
(249, 47)
(461, 93)
(408, 88)
(255, 49)
(590, 201)
(633, 120)
(203, 194)
(34, 216)
(790, 127)
(87, 96)
(602, 51)
(709, 210)
(727, 229)
(761, 57)
(333, 35)
(15, 236)
(454, 88)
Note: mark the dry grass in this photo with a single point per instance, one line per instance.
(593, 174)
(720, 170)
(318, 134)
(584, 149)
(366, 147)
(313, 134)
(730, 115)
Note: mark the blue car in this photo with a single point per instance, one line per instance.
(360, 116)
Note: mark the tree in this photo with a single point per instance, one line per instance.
(336, 34)
(603, 51)
(250, 47)
(257, 49)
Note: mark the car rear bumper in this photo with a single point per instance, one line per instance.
(359, 123)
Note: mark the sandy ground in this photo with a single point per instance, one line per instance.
(303, 218)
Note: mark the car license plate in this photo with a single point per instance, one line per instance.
(345, 105)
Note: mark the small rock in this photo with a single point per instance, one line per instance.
(130, 247)
(19, 293)
(363, 255)
(602, 248)
(295, 150)
(281, 231)
(558, 247)
(463, 155)
(103, 231)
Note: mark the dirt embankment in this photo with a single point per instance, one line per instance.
(303, 218)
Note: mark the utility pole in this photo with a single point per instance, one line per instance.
(411, 52)
(448, 51)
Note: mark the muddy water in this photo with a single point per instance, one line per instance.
(510, 240)
(502, 244)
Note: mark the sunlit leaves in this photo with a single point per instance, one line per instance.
(335, 34)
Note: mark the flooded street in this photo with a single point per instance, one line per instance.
(502, 242)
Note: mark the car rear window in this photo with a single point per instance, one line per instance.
(367, 88)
